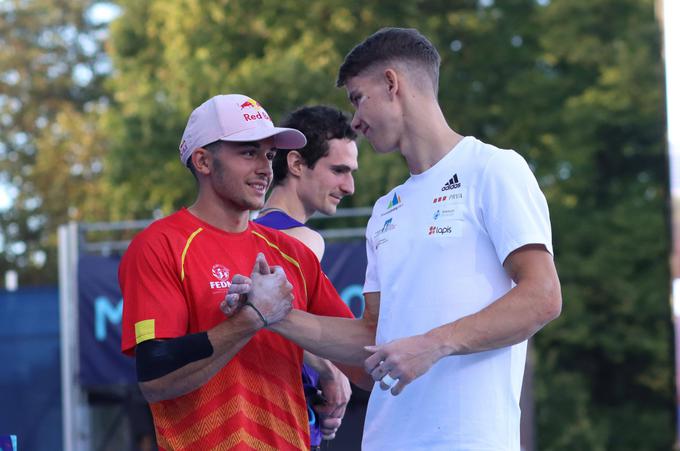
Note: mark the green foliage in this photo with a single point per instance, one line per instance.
(51, 72)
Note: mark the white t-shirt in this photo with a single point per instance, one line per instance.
(436, 247)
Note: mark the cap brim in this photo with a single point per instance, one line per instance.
(284, 138)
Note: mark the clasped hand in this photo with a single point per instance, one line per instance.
(267, 290)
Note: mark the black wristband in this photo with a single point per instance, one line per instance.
(264, 320)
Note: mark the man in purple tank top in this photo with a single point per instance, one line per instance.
(315, 178)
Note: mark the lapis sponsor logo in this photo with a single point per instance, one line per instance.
(435, 230)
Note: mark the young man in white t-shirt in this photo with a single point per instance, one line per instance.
(460, 267)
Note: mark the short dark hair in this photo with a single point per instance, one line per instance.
(213, 147)
(391, 44)
(319, 124)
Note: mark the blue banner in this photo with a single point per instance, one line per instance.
(101, 309)
(100, 313)
(345, 265)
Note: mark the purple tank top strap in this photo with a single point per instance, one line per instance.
(278, 220)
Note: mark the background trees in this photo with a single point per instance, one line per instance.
(52, 72)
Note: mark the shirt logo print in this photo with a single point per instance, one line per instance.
(221, 273)
(453, 183)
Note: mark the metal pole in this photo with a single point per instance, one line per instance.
(75, 418)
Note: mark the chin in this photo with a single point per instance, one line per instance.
(254, 204)
(377, 148)
(329, 210)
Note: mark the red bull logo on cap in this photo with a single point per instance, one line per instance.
(250, 103)
(261, 113)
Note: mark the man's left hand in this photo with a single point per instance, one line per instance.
(404, 360)
(336, 391)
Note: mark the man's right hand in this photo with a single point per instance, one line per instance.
(270, 292)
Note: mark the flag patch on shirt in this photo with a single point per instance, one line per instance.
(145, 330)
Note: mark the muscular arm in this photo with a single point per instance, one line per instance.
(226, 339)
(338, 339)
(514, 317)
(270, 299)
(315, 242)
(531, 304)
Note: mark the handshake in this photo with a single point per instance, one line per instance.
(267, 291)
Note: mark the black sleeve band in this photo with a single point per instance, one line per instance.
(156, 358)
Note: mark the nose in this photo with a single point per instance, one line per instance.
(347, 186)
(264, 166)
(356, 121)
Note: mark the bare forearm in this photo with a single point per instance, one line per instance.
(328, 369)
(337, 339)
(226, 339)
(513, 318)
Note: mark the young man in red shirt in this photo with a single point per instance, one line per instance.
(216, 380)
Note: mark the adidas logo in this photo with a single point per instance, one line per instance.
(453, 183)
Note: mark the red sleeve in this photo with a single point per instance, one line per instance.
(323, 299)
(153, 299)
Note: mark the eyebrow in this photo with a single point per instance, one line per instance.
(248, 144)
(342, 167)
(255, 144)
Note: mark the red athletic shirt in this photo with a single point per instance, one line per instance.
(173, 277)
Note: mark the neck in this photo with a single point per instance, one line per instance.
(217, 213)
(283, 197)
(427, 137)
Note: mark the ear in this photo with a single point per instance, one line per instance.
(391, 78)
(201, 159)
(295, 163)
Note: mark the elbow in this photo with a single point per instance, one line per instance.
(148, 392)
(551, 305)
(152, 392)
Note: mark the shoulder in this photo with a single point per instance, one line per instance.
(168, 232)
(284, 242)
(383, 202)
(311, 238)
(496, 159)
(476, 155)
